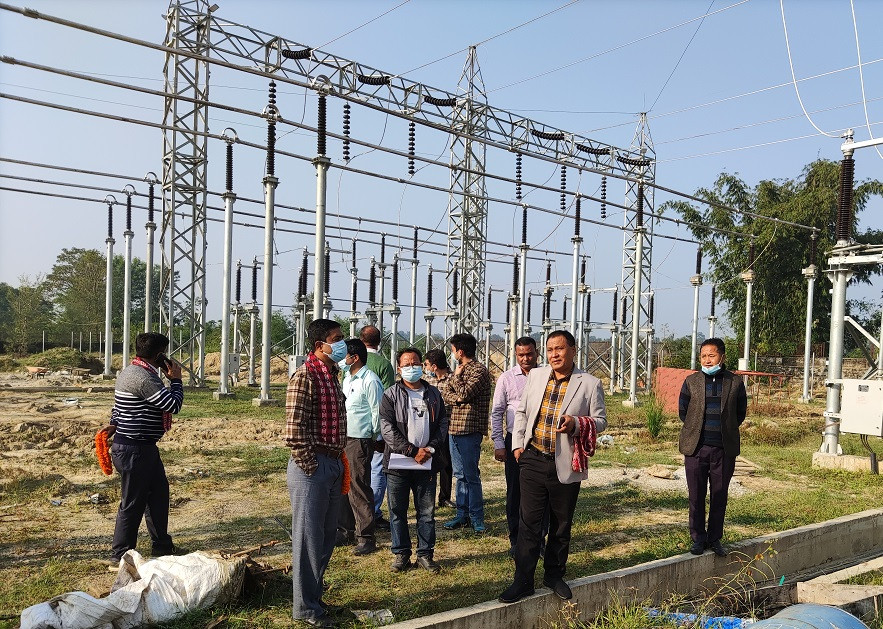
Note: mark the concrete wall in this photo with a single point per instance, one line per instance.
(797, 550)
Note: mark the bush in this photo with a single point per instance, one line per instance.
(655, 415)
(59, 357)
(8, 363)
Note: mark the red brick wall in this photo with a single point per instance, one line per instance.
(667, 386)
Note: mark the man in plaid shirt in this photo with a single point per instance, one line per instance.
(468, 394)
(315, 430)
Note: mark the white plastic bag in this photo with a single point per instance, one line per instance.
(145, 592)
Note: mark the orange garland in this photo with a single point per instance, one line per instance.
(102, 452)
(345, 485)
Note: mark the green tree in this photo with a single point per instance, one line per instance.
(6, 292)
(30, 313)
(779, 292)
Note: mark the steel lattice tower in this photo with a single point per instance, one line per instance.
(642, 169)
(185, 157)
(467, 205)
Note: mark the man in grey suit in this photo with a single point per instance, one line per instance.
(558, 401)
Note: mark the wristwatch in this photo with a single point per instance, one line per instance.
(431, 449)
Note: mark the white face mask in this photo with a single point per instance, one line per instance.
(412, 373)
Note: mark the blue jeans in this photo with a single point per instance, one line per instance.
(315, 505)
(378, 482)
(399, 485)
(465, 450)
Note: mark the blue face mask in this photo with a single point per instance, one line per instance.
(710, 371)
(344, 367)
(412, 373)
(338, 350)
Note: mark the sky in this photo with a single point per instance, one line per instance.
(717, 90)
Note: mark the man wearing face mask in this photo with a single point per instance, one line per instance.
(712, 406)
(363, 391)
(436, 371)
(414, 423)
(315, 430)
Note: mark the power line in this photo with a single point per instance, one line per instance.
(615, 48)
(681, 58)
(793, 77)
(374, 19)
(493, 37)
(861, 76)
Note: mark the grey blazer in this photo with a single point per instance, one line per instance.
(584, 396)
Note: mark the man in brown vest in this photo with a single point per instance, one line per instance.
(712, 406)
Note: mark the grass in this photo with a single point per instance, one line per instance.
(242, 489)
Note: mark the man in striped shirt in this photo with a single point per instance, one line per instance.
(141, 415)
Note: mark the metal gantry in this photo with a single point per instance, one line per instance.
(637, 257)
(468, 207)
(184, 185)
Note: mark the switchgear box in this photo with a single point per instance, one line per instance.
(861, 407)
(233, 363)
(295, 361)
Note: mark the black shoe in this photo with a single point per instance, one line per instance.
(457, 522)
(401, 563)
(717, 549)
(344, 538)
(381, 523)
(697, 548)
(560, 587)
(365, 548)
(174, 550)
(516, 592)
(447, 503)
(319, 621)
(428, 563)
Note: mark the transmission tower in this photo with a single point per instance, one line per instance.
(182, 239)
(467, 204)
(642, 169)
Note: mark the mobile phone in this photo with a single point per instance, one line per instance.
(164, 362)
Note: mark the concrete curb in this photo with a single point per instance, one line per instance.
(796, 550)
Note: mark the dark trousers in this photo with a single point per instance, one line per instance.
(513, 492)
(708, 466)
(541, 491)
(144, 493)
(359, 453)
(400, 485)
(446, 472)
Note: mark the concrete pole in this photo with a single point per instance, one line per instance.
(831, 433)
(321, 163)
(574, 286)
(614, 350)
(711, 321)
(521, 319)
(429, 319)
(636, 315)
(223, 388)
(744, 362)
(270, 183)
(326, 288)
(412, 332)
(394, 333)
(696, 281)
(487, 344)
(253, 329)
(381, 296)
(108, 297)
(810, 274)
(127, 296)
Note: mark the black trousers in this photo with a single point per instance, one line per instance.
(359, 453)
(446, 472)
(708, 467)
(513, 492)
(144, 494)
(541, 491)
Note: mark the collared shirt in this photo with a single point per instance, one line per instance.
(469, 396)
(547, 421)
(383, 368)
(507, 395)
(363, 391)
(315, 412)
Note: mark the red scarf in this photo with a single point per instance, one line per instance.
(166, 416)
(584, 444)
(332, 407)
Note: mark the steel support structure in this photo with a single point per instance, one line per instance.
(637, 274)
(184, 185)
(467, 205)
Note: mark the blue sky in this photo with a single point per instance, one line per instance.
(588, 67)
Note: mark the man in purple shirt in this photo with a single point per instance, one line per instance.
(507, 395)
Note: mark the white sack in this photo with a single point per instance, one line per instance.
(145, 592)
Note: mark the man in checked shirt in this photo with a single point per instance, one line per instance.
(315, 430)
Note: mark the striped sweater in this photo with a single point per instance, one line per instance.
(140, 399)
